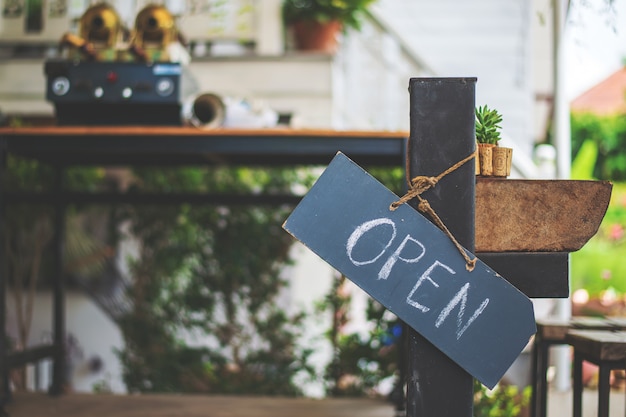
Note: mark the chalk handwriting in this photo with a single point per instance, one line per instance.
(360, 231)
(391, 261)
(409, 244)
(460, 297)
(426, 276)
(386, 269)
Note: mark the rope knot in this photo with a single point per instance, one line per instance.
(424, 207)
(423, 183)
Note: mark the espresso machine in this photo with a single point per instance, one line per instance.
(112, 76)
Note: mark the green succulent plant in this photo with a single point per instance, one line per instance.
(488, 125)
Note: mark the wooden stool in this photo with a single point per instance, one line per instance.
(604, 348)
(554, 332)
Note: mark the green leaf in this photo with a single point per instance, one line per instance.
(585, 161)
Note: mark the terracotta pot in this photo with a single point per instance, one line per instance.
(311, 35)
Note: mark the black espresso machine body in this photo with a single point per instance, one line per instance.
(114, 93)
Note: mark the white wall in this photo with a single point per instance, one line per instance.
(487, 39)
(96, 334)
(301, 84)
(543, 65)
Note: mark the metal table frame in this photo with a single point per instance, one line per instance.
(552, 333)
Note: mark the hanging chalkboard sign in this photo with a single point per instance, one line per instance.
(410, 266)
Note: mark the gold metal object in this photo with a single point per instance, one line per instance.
(154, 31)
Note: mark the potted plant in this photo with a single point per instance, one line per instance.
(493, 160)
(316, 24)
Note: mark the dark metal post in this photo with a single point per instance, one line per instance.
(58, 316)
(5, 392)
(442, 134)
(577, 393)
(540, 359)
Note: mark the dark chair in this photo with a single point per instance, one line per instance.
(604, 348)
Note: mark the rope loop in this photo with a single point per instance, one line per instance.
(421, 184)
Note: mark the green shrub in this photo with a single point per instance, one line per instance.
(502, 401)
(609, 135)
